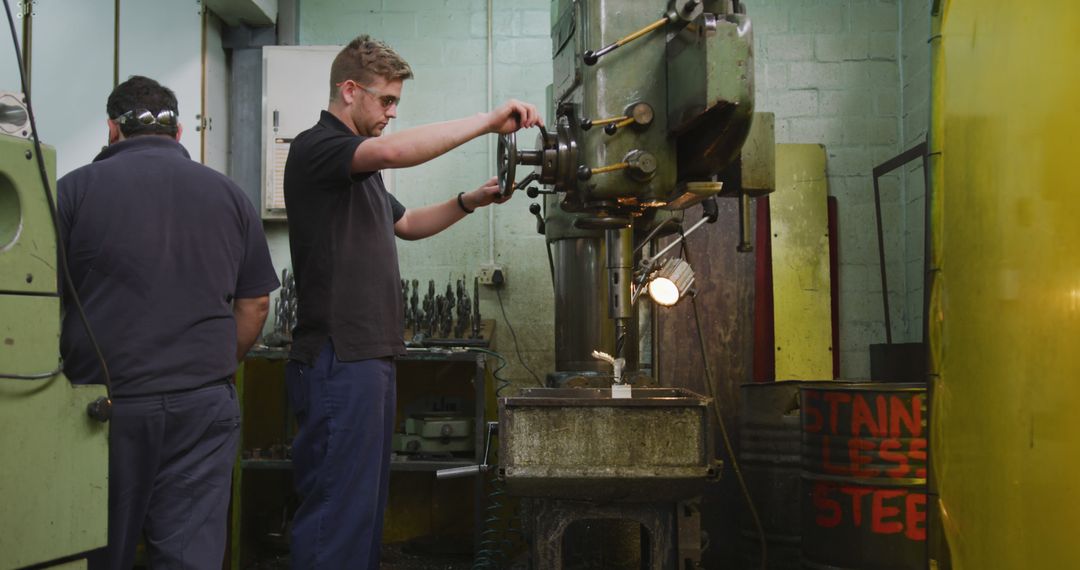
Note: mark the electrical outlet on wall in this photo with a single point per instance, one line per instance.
(492, 274)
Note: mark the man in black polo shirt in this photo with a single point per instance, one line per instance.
(172, 267)
(342, 229)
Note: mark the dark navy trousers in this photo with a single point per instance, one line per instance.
(341, 459)
(170, 475)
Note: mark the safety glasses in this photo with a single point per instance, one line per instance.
(145, 118)
(386, 101)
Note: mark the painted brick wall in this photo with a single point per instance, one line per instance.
(829, 70)
(915, 92)
(445, 41)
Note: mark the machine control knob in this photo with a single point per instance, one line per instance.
(642, 164)
(100, 409)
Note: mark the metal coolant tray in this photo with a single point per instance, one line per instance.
(582, 443)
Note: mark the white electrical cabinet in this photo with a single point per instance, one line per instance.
(296, 87)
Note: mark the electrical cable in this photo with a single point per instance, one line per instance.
(40, 376)
(493, 542)
(503, 363)
(490, 553)
(517, 348)
(61, 253)
(723, 429)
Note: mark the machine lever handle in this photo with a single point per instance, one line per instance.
(534, 208)
(591, 57)
(492, 428)
(587, 124)
(455, 472)
(639, 114)
(612, 128)
(680, 11)
(533, 192)
(532, 177)
(585, 173)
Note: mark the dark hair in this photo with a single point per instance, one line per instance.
(139, 93)
(364, 59)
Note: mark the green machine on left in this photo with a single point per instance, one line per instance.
(55, 477)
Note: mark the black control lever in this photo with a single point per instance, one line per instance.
(534, 208)
(533, 192)
(532, 177)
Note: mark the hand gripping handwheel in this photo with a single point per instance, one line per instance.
(508, 157)
(554, 160)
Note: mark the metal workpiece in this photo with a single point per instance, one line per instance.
(617, 365)
(582, 443)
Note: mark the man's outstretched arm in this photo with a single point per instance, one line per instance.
(425, 142)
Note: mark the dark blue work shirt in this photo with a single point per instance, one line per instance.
(344, 252)
(158, 246)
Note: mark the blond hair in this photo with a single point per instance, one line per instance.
(363, 60)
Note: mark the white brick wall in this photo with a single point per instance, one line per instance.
(915, 63)
(842, 55)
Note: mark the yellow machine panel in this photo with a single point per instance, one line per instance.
(54, 483)
(1005, 315)
(800, 258)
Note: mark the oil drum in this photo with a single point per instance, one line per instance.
(864, 461)
(769, 452)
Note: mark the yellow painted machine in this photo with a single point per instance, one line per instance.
(54, 483)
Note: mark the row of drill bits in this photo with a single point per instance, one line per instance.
(284, 312)
(452, 314)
